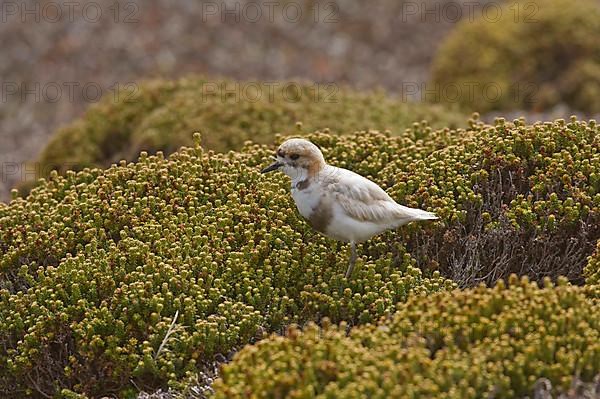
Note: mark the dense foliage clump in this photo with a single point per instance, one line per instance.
(515, 198)
(95, 266)
(592, 270)
(137, 276)
(483, 342)
(162, 115)
(530, 55)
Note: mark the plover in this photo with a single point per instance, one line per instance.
(337, 202)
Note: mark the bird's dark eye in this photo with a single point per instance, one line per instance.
(294, 157)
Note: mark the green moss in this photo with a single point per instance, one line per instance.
(463, 344)
(538, 54)
(162, 115)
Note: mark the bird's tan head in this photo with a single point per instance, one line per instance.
(297, 157)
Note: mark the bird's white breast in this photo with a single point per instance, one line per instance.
(307, 200)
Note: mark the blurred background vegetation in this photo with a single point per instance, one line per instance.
(57, 61)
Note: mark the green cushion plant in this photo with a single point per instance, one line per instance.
(515, 198)
(95, 265)
(529, 55)
(592, 270)
(161, 115)
(484, 342)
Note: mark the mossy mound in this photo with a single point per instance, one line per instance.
(96, 264)
(464, 344)
(515, 198)
(162, 116)
(592, 270)
(535, 55)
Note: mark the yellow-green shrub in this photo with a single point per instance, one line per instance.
(592, 270)
(476, 343)
(162, 115)
(515, 198)
(94, 266)
(538, 54)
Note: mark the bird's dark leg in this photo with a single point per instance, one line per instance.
(352, 259)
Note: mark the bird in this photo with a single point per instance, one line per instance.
(337, 202)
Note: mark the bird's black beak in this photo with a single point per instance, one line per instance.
(274, 166)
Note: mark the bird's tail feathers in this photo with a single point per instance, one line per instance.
(419, 214)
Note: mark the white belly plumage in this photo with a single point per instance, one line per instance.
(345, 228)
(341, 226)
(306, 201)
